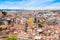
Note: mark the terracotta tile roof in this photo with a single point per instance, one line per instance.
(23, 35)
(19, 26)
(58, 31)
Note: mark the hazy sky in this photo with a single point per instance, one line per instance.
(30, 4)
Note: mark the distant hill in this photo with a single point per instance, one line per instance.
(11, 10)
(22, 10)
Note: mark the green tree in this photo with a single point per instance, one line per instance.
(1, 29)
(1, 23)
(12, 38)
(32, 28)
(4, 13)
(35, 20)
(40, 25)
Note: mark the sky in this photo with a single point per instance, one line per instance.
(30, 4)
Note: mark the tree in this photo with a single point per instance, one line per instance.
(4, 13)
(1, 23)
(32, 28)
(1, 29)
(40, 25)
(35, 20)
(12, 38)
